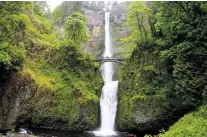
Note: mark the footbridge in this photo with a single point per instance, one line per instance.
(110, 59)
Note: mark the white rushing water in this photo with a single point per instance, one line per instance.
(108, 101)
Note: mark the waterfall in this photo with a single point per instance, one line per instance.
(108, 101)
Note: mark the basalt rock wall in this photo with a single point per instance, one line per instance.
(95, 24)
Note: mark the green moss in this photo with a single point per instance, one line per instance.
(65, 94)
(27, 71)
(62, 96)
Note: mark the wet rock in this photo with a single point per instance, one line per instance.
(119, 12)
(144, 115)
(17, 135)
(14, 100)
(94, 18)
(95, 23)
(120, 29)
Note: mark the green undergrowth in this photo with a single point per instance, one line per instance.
(49, 76)
(193, 124)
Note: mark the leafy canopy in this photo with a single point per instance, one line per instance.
(138, 20)
(75, 28)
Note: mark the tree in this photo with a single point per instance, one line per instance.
(63, 11)
(75, 28)
(41, 8)
(138, 20)
(56, 14)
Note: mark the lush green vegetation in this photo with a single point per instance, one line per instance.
(68, 83)
(193, 124)
(12, 32)
(64, 10)
(165, 77)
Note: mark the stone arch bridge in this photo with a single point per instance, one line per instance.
(110, 59)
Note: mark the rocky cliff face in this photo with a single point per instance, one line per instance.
(95, 23)
(15, 97)
(119, 28)
(24, 103)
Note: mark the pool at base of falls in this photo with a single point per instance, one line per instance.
(56, 133)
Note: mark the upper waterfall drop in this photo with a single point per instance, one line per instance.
(108, 48)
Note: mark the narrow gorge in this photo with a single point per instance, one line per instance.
(51, 83)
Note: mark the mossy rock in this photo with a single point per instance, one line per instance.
(142, 113)
(74, 112)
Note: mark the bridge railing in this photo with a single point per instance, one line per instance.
(111, 58)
